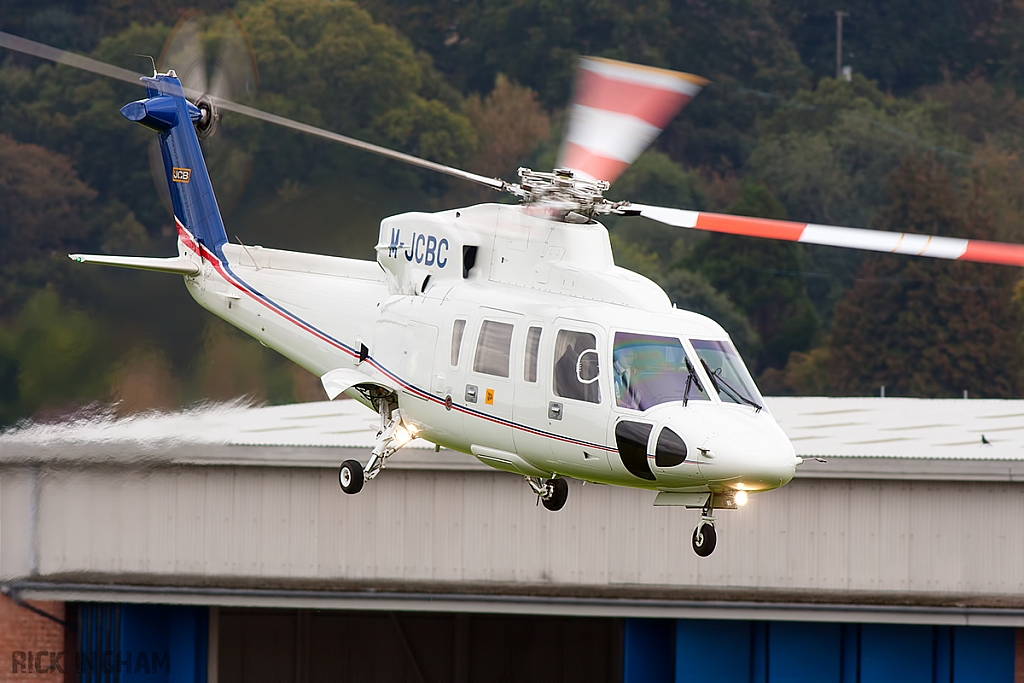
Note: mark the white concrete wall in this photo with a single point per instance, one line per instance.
(468, 526)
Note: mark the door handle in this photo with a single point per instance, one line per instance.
(471, 390)
(554, 411)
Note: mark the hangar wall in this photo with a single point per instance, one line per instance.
(924, 540)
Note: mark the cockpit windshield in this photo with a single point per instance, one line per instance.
(727, 372)
(650, 370)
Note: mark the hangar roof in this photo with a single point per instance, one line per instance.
(309, 434)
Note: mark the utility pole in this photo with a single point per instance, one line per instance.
(839, 43)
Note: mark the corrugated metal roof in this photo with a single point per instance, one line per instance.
(957, 429)
(972, 429)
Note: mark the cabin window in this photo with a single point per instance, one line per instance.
(493, 348)
(649, 370)
(577, 366)
(532, 354)
(671, 449)
(457, 331)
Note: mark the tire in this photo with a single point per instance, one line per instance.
(559, 494)
(704, 539)
(350, 476)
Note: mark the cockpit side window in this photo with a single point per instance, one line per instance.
(577, 366)
(650, 370)
(728, 374)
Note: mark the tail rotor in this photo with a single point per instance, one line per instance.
(214, 61)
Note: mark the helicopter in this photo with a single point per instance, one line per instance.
(504, 331)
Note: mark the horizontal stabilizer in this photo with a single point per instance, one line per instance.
(177, 265)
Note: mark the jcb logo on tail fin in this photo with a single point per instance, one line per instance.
(181, 175)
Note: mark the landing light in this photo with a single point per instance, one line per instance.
(740, 498)
(403, 436)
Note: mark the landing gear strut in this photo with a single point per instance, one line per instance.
(552, 493)
(393, 434)
(704, 536)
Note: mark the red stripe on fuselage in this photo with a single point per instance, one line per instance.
(204, 253)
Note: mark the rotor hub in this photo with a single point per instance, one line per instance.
(207, 123)
(565, 191)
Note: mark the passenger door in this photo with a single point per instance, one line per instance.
(532, 370)
(489, 391)
(579, 397)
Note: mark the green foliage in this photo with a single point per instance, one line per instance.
(44, 210)
(689, 290)
(328, 63)
(75, 176)
(826, 153)
(654, 179)
(50, 358)
(905, 44)
(77, 114)
(923, 327)
(737, 44)
(758, 278)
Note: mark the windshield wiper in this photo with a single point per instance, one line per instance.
(691, 379)
(716, 379)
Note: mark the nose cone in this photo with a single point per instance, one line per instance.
(748, 450)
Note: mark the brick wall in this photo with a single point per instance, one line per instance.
(24, 633)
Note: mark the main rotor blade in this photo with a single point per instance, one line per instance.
(30, 47)
(618, 110)
(911, 244)
(228, 105)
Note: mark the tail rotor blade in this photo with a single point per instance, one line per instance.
(184, 52)
(235, 75)
(911, 244)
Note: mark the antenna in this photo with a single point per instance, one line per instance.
(151, 61)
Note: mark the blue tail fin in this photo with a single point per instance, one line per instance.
(166, 111)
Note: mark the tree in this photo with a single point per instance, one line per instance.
(43, 211)
(826, 154)
(51, 358)
(510, 123)
(924, 327)
(328, 63)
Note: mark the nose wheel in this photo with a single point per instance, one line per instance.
(350, 476)
(705, 538)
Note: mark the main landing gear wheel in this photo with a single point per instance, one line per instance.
(559, 493)
(350, 476)
(704, 539)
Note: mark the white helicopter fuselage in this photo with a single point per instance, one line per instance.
(513, 338)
